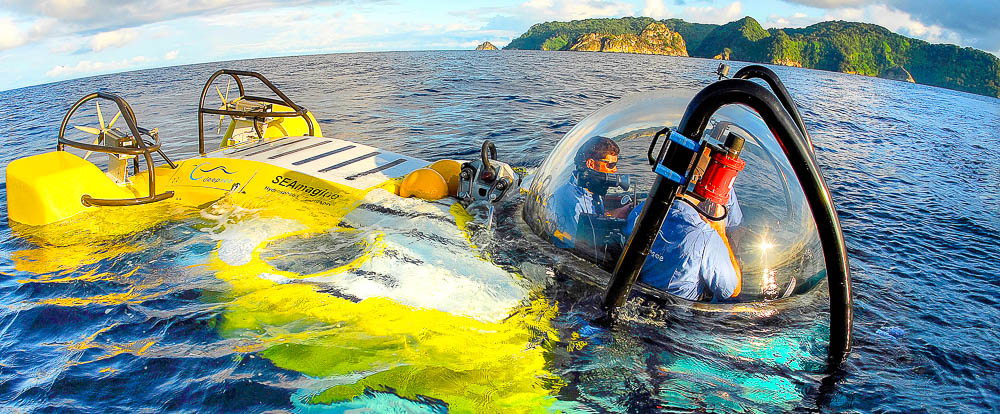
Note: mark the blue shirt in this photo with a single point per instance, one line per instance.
(688, 255)
(566, 204)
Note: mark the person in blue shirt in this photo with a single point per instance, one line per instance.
(691, 256)
(598, 157)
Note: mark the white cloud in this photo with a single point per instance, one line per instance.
(114, 38)
(171, 55)
(454, 27)
(540, 10)
(18, 32)
(655, 9)
(896, 21)
(709, 14)
(87, 66)
(67, 45)
(795, 20)
(10, 35)
(42, 28)
(295, 32)
(82, 17)
(849, 14)
(893, 19)
(285, 18)
(830, 4)
(346, 32)
(93, 14)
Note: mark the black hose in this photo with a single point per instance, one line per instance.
(489, 152)
(768, 75)
(725, 211)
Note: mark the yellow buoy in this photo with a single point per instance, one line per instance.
(424, 183)
(449, 170)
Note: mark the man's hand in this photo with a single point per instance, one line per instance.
(620, 212)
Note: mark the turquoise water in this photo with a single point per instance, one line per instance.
(143, 323)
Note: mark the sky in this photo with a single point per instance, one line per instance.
(44, 41)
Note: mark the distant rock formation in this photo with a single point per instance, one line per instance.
(897, 73)
(787, 62)
(847, 47)
(655, 39)
(486, 46)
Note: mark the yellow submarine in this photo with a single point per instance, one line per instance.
(271, 146)
(460, 328)
(472, 352)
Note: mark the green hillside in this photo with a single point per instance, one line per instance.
(559, 35)
(850, 47)
(741, 37)
(693, 33)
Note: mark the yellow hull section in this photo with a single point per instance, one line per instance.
(46, 188)
(377, 343)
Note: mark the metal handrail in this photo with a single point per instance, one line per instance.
(141, 148)
(298, 111)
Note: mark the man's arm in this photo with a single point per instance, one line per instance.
(734, 213)
(717, 270)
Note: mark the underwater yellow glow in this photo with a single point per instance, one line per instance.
(377, 343)
(474, 360)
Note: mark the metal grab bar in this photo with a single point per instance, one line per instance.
(141, 148)
(298, 111)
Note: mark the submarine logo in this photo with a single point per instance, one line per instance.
(204, 171)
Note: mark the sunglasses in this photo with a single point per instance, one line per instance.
(610, 164)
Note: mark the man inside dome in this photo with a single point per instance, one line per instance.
(691, 256)
(596, 170)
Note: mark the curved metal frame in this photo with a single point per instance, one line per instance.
(143, 148)
(235, 74)
(772, 80)
(800, 155)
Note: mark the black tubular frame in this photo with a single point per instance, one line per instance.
(297, 111)
(800, 155)
(771, 78)
(142, 148)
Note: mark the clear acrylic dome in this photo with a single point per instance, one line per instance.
(588, 192)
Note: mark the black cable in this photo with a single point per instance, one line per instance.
(725, 210)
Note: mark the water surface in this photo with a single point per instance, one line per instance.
(144, 322)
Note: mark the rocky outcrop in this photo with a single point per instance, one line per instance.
(896, 73)
(655, 39)
(486, 46)
(787, 62)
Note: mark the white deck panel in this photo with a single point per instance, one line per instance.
(343, 162)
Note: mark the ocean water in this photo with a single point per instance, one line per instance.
(146, 321)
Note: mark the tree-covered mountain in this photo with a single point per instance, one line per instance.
(693, 33)
(849, 47)
(743, 38)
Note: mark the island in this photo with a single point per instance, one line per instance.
(841, 46)
(486, 46)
